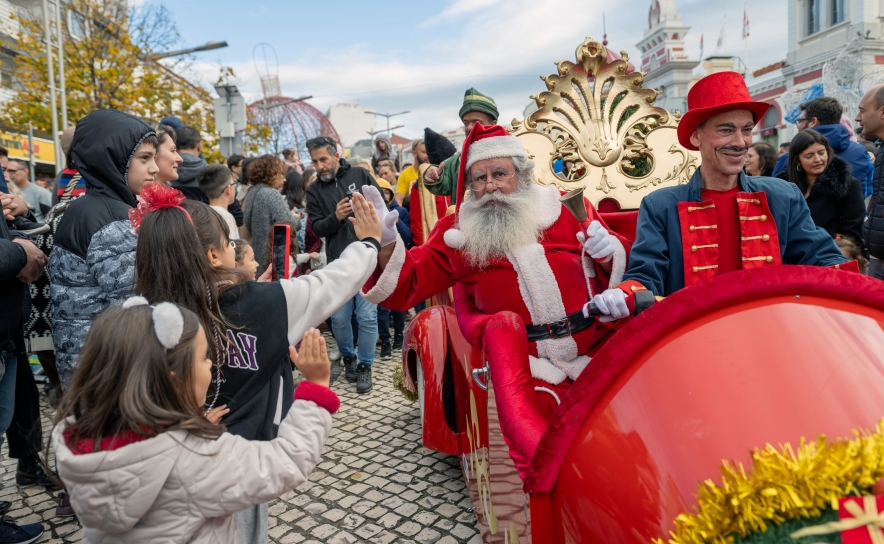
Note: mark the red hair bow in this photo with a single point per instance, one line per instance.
(155, 196)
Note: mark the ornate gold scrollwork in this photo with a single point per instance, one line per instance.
(598, 118)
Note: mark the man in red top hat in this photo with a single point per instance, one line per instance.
(721, 220)
(525, 268)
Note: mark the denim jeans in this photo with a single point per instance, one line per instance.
(384, 316)
(367, 318)
(7, 390)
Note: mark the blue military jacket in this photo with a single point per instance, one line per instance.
(664, 236)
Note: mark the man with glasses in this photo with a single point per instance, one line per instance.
(523, 269)
(39, 199)
(823, 115)
(871, 121)
(329, 209)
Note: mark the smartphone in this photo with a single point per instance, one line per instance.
(282, 234)
(300, 210)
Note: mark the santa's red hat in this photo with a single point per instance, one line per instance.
(714, 94)
(485, 142)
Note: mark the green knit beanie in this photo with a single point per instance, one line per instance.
(473, 100)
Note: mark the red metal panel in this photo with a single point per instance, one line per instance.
(768, 371)
(808, 76)
(427, 337)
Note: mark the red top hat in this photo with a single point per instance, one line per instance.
(714, 94)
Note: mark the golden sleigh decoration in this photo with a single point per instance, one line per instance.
(597, 117)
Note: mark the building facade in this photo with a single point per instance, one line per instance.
(352, 122)
(818, 31)
(663, 56)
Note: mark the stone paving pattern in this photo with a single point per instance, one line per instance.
(376, 482)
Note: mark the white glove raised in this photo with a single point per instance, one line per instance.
(388, 218)
(612, 305)
(597, 242)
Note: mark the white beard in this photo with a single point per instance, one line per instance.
(494, 230)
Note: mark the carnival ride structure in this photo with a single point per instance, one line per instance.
(292, 121)
(680, 393)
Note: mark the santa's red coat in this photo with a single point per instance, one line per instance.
(540, 284)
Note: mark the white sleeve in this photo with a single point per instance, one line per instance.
(313, 298)
(231, 473)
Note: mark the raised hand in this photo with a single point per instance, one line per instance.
(312, 359)
(597, 242)
(365, 219)
(388, 218)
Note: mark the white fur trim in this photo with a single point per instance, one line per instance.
(386, 284)
(550, 391)
(453, 238)
(135, 301)
(543, 298)
(494, 147)
(168, 324)
(577, 366)
(544, 370)
(549, 207)
(618, 265)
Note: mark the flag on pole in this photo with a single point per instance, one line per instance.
(745, 24)
(720, 44)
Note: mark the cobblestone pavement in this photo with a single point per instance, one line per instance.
(375, 483)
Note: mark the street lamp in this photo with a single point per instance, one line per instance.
(265, 107)
(208, 46)
(387, 115)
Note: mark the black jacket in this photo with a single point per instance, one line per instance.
(322, 200)
(186, 183)
(873, 230)
(12, 291)
(836, 201)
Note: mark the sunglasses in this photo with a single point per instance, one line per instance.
(321, 140)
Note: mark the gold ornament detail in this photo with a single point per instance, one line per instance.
(399, 383)
(782, 484)
(598, 119)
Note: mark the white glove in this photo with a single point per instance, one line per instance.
(612, 305)
(597, 242)
(388, 218)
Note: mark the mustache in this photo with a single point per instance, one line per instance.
(735, 149)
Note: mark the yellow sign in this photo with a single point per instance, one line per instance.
(17, 144)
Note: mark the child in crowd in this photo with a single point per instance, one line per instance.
(851, 250)
(185, 256)
(93, 256)
(139, 458)
(245, 259)
(385, 316)
(216, 181)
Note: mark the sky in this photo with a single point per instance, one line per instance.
(422, 56)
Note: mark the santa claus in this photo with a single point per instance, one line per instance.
(525, 270)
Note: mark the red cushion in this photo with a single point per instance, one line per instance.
(623, 223)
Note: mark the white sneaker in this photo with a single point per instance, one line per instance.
(334, 355)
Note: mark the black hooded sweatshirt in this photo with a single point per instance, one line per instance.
(93, 255)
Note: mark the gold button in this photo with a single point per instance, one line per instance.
(690, 209)
(765, 238)
(693, 249)
(696, 269)
(634, 289)
(769, 259)
(757, 201)
(691, 228)
(763, 218)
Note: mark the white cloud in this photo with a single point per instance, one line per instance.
(499, 47)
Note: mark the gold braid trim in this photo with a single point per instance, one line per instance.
(782, 485)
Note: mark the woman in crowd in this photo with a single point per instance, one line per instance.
(168, 158)
(142, 462)
(294, 190)
(244, 185)
(835, 198)
(760, 159)
(185, 256)
(264, 205)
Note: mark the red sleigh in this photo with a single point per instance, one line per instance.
(756, 357)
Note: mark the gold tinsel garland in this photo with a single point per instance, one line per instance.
(399, 383)
(782, 485)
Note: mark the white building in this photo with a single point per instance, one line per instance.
(818, 31)
(352, 122)
(663, 56)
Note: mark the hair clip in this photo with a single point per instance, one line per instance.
(156, 196)
(168, 321)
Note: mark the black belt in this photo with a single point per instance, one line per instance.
(569, 326)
